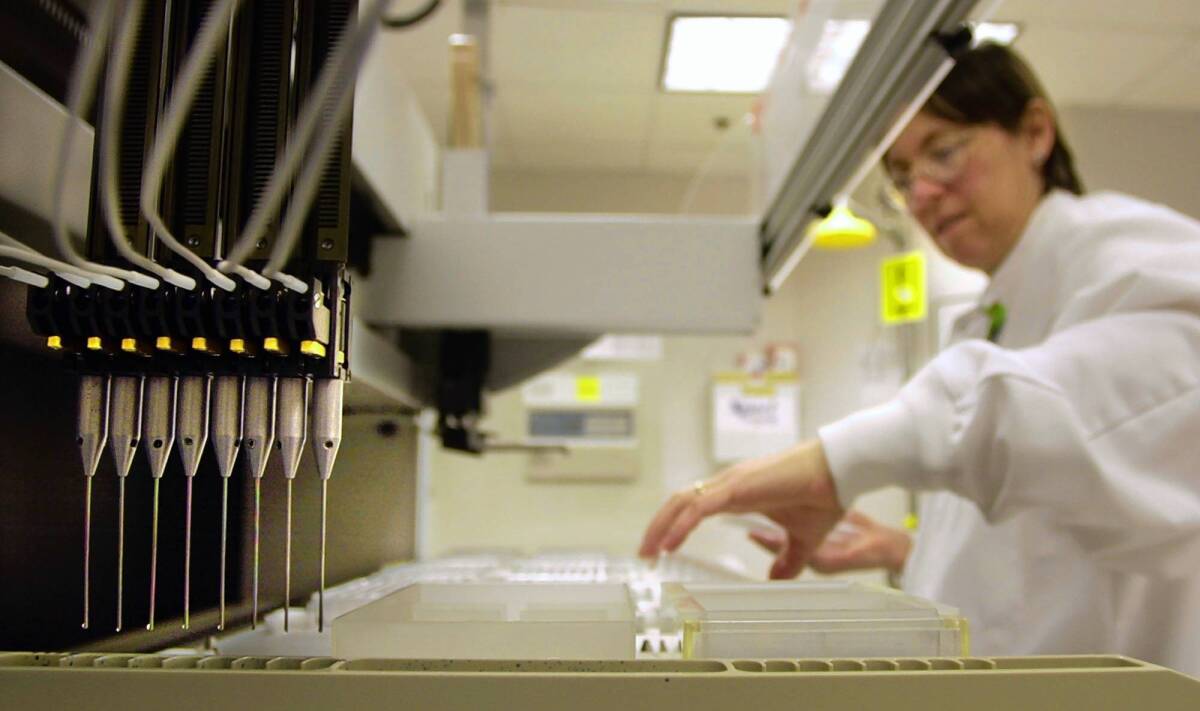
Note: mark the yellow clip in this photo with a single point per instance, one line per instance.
(94, 343)
(274, 345)
(237, 345)
(167, 344)
(54, 343)
(341, 357)
(312, 348)
(911, 522)
(129, 345)
(200, 343)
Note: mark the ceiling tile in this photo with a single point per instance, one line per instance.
(576, 48)
(691, 118)
(1091, 66)
(1172, 84)
(691, 158)
(578, 156)
(547, 115)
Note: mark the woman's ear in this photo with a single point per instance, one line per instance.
(1038, 131)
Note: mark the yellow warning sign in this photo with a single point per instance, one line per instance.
(902, 288)
(587, 388)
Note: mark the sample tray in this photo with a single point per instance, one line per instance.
(811, 619)
(492, 621)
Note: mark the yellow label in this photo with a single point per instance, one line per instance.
(272, 345)
(200, 343)
(94, 343)
(237, 345)
(129, 345)
(163, 343)
(54, 343)
(587, 388)
(313, 349)
(902, 288)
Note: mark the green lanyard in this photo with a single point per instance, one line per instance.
(997, 315)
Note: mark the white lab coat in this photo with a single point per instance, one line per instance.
(1062, 462)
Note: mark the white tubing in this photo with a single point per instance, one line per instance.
(79, 95)
(208, 41)
(25, 276)
(114, 89)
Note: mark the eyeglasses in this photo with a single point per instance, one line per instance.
(941, 161)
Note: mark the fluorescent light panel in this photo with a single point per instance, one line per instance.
(723, 54)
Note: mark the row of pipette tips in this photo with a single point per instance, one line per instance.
(251, 414)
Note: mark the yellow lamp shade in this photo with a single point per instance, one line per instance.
(842, 229)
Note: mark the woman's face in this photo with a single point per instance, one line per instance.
(973, 188)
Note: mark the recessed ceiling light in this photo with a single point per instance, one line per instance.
(723, 54)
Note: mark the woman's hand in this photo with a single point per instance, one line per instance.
(794, 489)
(858, 542)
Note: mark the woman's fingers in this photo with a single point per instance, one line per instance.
(702, 503)
(773, 541)
(661, 523)
(789, 562)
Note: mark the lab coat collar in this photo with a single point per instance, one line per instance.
(1019, 266)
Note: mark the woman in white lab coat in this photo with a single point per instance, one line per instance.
(1056, 442)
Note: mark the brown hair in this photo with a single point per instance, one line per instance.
(992, 84)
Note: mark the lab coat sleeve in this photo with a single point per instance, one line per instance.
(1099, 426)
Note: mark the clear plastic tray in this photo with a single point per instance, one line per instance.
(811, 619)
(492, 621)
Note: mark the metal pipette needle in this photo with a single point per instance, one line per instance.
(159, 434)
(258, 438)
(291, 431)
(125, 428)
(192, 427)
(326, 438)
(92, 434)
(226, 439)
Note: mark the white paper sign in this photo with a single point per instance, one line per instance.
(751, 421)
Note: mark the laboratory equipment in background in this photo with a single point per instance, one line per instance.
(584, 426)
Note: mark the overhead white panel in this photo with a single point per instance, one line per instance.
(568, 274)
(575, 47)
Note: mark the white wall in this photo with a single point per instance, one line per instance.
(1153, 154)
